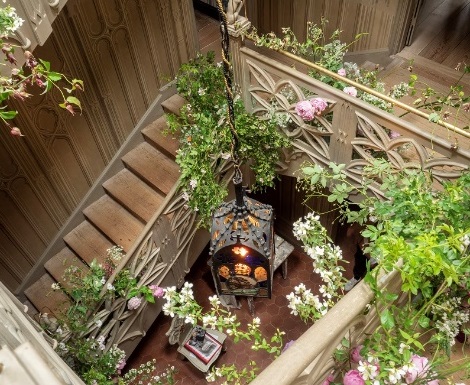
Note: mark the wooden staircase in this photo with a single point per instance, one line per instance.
(131, 197)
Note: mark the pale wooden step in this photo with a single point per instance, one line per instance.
(173, 104)
(370, 66)
(88, 242)
(157, 134)
(60, 262)
(152, 166)
(47, 300)
(114, 221)
(134, 194)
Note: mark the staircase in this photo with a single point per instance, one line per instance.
(144, 176)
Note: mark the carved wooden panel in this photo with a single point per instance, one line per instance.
(124, 51)
(349, 131)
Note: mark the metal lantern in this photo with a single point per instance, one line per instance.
(242, 248)
(242, 236)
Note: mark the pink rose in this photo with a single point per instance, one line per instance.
(329, 379)
(157, 291)
(356, 354)
(318, 105)
(350, 91)
(134, 303)
(305, 110)
(419, 367)
(342, 72)
(353, 377)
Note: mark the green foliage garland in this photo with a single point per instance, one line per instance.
(205, 139)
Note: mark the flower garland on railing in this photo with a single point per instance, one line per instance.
(328, 52)
(81, 344)
(428, 230)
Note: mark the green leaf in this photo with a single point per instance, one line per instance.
(405, 335)
(46, 64)
(8, 114)
(54, 76)
(386, 319)
(74, 100)
(434, 117)
(308, 170)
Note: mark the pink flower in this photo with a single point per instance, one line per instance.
(342, 72)
(353, 377)
(305, 110)
(15, 131)
(134, 303)
(329, 379)
(30, 60)
(69, 108)
(157, 291)
(350, 91)
(287, 345)
(120, 365)
(433, 382)
(318, 105)
(419, 367)
(356, 354)
(394, 135)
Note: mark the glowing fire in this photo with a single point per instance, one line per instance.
(240, 251)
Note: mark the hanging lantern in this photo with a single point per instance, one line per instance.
(242, 235)
(242, 249)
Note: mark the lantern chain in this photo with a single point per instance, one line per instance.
(227, 70)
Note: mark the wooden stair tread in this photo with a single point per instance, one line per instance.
(153, 167)
(88, 242)
(134, 194)
(59, 263)
(173, 104)
(115, 221)
(155, 133)
(45, 299)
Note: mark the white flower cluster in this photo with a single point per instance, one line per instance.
(305, 304)
(9, 21)
(115, 253)
(465, 242)
(304, 226)
(450, 318)
(180, 303)
(213, 375)
(326, 257)
(399, 90)
(55, 286)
